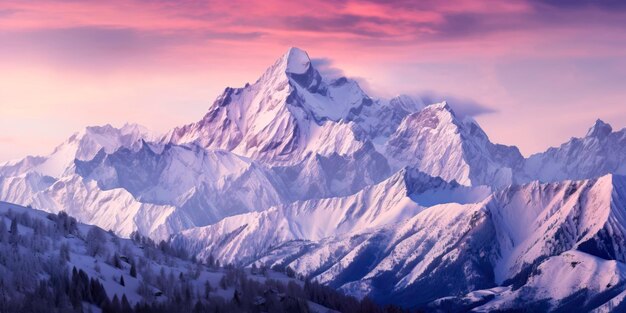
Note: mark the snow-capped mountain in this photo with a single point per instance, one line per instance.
(601, 151)
(277, 119)
(398, 200)
(82, 145)
(21, 179)
(438, 143)
(309, 130)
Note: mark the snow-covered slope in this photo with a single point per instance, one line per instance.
(20, 189)
(375, 248)
(396, 199)
(538, 220)
(180, 174)
(571, 281)
(521, 228)
(380, 119)
(90, 204)
(51, 263)
(537, 228)
(382, 262)
(323, 176)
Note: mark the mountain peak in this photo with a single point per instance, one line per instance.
(441, 106)
(442, 111)
(296, 61)
(600, 129)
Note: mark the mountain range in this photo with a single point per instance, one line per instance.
(397, 200)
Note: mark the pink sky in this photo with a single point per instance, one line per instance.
(533, 72)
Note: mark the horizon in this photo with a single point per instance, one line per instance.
(533, 73)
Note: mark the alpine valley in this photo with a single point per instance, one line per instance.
(394, 200)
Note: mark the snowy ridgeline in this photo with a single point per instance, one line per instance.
(51, 263)
(545, 245)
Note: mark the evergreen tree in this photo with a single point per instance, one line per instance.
(133, 270)
(98, 294)
(210, 262)
(122, 281)
(237, 297)
(223, 282)
(14, 237)
(115, 306)
(126, 308)
(115, 261)
(96, 241)
(199, 308)
(207, 290)
(3, 231)
(64, 252)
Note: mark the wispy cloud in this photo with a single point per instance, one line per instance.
(158, 25)
(7, 12)
(327, 68)
(462, 106)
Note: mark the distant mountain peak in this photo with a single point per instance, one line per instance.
(437, 142)
(444, 105)
(600, 152)
(600, 129)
